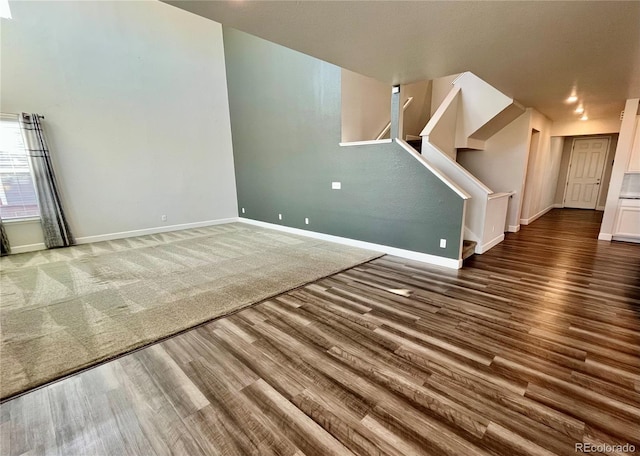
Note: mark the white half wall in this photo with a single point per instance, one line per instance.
(137, 116)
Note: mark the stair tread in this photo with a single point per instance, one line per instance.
(468, 248)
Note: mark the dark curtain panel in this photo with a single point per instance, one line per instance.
(4, 240)
(54, 224)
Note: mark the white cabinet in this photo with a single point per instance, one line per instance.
(627, 224)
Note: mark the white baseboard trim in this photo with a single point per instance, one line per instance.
(27, 248)
(365, 143)
(155, 230)
(604, 237)
(626, 239)
(513, 228)
(538, 215)
(402, 253)
(480, 249)
(599, 208)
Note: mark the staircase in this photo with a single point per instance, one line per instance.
(468, 248)
(471, 112)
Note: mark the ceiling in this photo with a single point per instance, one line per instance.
(533, 51)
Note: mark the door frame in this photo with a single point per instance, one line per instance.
(606, 156)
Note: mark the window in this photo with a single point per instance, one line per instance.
(17, 193)
(5, 12)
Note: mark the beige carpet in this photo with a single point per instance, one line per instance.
(66, 309)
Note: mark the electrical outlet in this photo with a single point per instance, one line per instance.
(443, 243)
(336, 185)
(164, 218)
(279, 216)
(306, 221)
(243, 210)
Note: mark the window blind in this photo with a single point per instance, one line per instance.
(17, 194)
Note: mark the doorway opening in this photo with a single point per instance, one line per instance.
(586, 168)
(585, 171)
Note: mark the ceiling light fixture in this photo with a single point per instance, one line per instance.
(579, 109)
(584, 117)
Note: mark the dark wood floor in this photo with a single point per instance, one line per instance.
(530, 348)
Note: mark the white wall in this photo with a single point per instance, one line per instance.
(480, 102)
(442, 124)
(366, 107)
(585, 127)
(505, 166)
(135, 100)
(501, 166)
(540, 184)
(440, 87)
(418, 112)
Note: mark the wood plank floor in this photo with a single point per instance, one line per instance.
(531, 348)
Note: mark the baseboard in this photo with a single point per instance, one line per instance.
(480, 249)
(538, 215)
(604, 237)
(599, 208)
(27, 248)
(155, 230)
(513, 228)
(626, 239)
(402, 253)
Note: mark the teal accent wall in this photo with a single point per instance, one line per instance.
(285, 122)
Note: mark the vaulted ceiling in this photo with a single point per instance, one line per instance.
(534, 51)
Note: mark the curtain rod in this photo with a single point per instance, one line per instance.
(24, 114)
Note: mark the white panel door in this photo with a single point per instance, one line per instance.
(585, 172)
